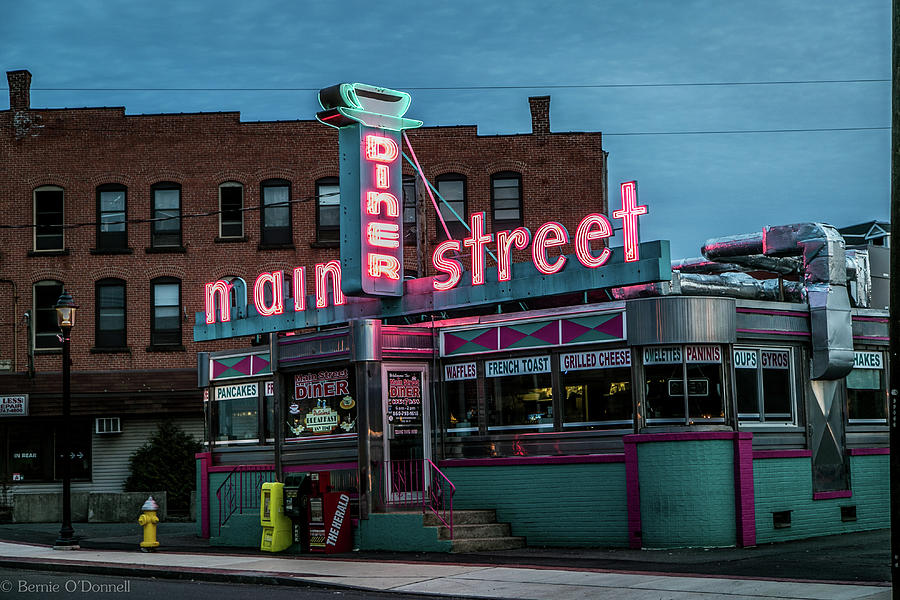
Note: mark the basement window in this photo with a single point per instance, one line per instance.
(848, 514)
(781, 519)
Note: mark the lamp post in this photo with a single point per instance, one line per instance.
(65, 318)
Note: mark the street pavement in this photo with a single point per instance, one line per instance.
(851, 566)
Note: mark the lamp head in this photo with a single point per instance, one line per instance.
(65, 311)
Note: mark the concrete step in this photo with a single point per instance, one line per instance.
(464, 517)
(486, 544)
(477, 530)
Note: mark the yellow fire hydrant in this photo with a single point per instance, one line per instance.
(148, 521)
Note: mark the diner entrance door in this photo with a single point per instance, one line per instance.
(407, 434)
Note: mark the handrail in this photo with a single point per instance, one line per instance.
(237, 493)
(441, 503)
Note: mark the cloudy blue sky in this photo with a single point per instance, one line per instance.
(697, 185)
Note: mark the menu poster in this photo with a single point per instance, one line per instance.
(323, 404)
(404, 409)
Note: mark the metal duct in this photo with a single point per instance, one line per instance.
(741, 285)
(859, 275)
(746, 244)
(756, 262)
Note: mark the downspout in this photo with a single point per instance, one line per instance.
(15, 323)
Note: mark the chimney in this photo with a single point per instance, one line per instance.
(540, 114)
(19, 89)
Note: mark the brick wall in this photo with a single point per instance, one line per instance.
(551, 505)
(80, 149)
(785, 484)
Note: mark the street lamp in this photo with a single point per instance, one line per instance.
(65, 318)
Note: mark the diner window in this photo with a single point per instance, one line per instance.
(506, 200)
(235, 412)
(519, 393)
(48, 218)
(328, 210)
(684, 384)
(867, 390)
(112, 232)
(276, 213)
(453, 209)
(409, 211)
(764, 384)
(596, 389)
(231, 210)
(45, 326)
(110, 317)
(323, 404)
(461, 398)
(166, 215)
(165, 313)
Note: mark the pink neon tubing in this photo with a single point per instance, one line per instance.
(430, 195)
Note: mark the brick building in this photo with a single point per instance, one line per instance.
(132, 214)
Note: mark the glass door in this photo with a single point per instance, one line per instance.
(407, 427)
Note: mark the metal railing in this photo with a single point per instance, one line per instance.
(418, 484)
(241, 490)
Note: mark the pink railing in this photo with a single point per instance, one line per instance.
(418, 484)
(241, 490)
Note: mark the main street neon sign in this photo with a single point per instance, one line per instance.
(269, 293)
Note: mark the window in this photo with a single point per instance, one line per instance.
(165, 317)
(683, 384)
(235, 412)
(238, 296)
(276, 213)
(506, 200)
(48, 218)
(452, 188)
(323, 404)
(328, 210)
(764, 383)
(231, 213)
(409, 211)
(519, 393)
(34, 449)
(596, 389)
(461, 398)
(867, 390)
(166, 226)
(46, 329)
(112, 231)
(110, 318)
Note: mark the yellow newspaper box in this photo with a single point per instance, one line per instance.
(276, 533)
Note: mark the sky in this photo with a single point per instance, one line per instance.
(601, 61)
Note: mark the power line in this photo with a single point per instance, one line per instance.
(474, 87)
(742, 131)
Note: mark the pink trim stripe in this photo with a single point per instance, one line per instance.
(774, 332)
(780, 313)
(204, 458)
(761, 454)
(532, 460)
(830, 495)
(744, 495)
(326, 467)
(633, 494)
(868, 451)
(228, 468)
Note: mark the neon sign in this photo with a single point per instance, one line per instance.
(369, 120)
(629, 215)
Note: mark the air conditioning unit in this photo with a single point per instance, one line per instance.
(107, 425)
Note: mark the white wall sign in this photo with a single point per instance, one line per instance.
(662, 355)
(460, 371)
(528, 365)
(867, 360)
(14, 406)
(235, 392)
(599, 359)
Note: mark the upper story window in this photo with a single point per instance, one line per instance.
(48, 218)
(112, 232)
(110, 316)
(684, 384)
(506, 200)
(45, 328)
(231, 210)
(867, 390)
(165, 312)
(275, 220)
(764, 380)
(328, 210)
(454, 210)
(409, 211)
(166, 215)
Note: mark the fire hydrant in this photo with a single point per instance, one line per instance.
(148, 521)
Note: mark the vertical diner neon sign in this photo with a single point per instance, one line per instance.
(369, 120)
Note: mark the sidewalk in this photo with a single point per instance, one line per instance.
(530, 573)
